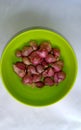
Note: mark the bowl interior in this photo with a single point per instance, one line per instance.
(36, 96)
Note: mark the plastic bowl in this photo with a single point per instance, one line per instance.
(35, 96)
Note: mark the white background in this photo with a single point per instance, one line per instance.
(64, 16)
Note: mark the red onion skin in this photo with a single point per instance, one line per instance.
(26, 61)
(33, 44)
(60, 62)
(39, 84)
(45, 73)
(56, 52)
(48, 81)
(27, 51)
(59, 80)
(42, 53)
(49, 72)
(20, 65)
(27, 79)
(50, 58)
(46, 45)
(19, 53)
(56, 67)
(20, 72)
(31, 69)
(56, 78)
(61, 75)
(39, 68)
(35, 58)
(36, 77)
(45, 64)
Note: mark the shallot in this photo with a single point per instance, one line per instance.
(48, 81)
(39, 84)
(35, 58)
(33, 44)
(50, 58)
(26, 51)
(19, 53)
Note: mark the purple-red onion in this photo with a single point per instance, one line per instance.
(40, 65)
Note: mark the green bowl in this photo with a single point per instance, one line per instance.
(35, 96)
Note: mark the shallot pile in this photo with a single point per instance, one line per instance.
(40, 65)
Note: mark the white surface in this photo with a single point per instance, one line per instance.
(63, 16)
